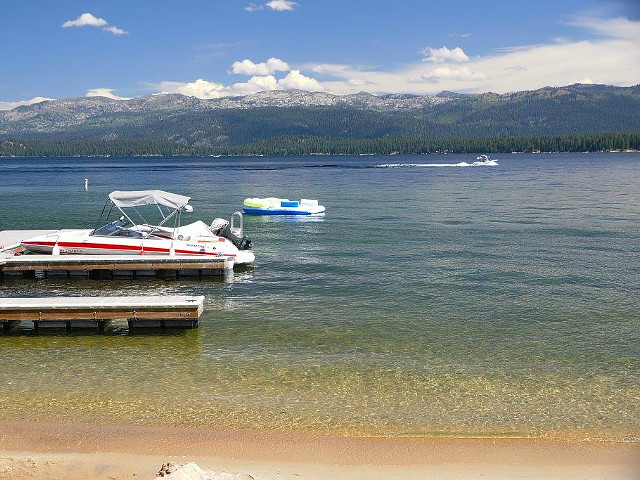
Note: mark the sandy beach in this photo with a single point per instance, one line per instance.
(78, 451)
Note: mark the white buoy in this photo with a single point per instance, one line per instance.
(86, 184)
(56, 249)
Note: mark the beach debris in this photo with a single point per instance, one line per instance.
(191, 471)
(166, 469)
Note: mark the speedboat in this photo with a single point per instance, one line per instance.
(281, 206)
(167, 236)
(484, 160)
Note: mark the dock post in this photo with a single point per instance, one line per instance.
(7, 326)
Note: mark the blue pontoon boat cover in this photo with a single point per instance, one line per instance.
(137, 198)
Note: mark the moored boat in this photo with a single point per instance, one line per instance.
(124, 236)
(281, 206)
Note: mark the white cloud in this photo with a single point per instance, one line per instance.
(330, 68)
(86, 20)
(614, 28)
(205, 89)
(610, 57)
(12, 105)
(358, 82)
(445, 73)
(90, 20)
(441, 55)
(104, 92)
(296, 80)
(254, 85)
(115, 30)
(247, 67)
(516, 68)
(281, 5)
(277, 5)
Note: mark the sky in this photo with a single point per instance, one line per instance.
(218, 48)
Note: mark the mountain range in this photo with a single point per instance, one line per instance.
(573, 109)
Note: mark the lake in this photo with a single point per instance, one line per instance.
(429, 300)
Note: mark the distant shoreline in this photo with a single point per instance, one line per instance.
(307, 155)
(324, 146)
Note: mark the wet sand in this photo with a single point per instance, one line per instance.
(79, 451)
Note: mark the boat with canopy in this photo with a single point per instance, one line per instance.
(130, 233)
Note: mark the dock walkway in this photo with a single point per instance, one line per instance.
(114, 265)
(95, 312)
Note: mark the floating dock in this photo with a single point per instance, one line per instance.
(109, 266)
(96, 312)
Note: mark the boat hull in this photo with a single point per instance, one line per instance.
(79, 242)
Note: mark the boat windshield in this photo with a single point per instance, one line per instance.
(121, 228)
(110, 228)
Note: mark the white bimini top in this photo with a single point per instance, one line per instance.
(137, 198)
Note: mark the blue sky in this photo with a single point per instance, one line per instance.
(214, 48)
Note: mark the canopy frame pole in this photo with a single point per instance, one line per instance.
(126, 216)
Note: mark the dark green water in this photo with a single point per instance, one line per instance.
(429, 300)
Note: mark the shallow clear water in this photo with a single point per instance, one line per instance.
(429, 300)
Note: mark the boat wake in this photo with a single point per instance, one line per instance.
(491, 163)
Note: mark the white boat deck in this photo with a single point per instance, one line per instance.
(10, 239)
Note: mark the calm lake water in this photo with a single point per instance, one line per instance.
(429, 300)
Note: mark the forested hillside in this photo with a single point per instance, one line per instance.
(318, 122)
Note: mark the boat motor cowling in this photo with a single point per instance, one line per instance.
(222, 228)
(218, 225)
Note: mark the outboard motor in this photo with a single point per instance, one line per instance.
(218, 225)
(222, 228)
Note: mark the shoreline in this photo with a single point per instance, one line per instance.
(40, 449)
(319, 154)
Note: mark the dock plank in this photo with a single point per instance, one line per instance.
(114, 263)
(71, 309)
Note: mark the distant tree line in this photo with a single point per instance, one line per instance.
(316, 145)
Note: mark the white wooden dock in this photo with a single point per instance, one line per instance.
(115, 265)
(95, 312)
